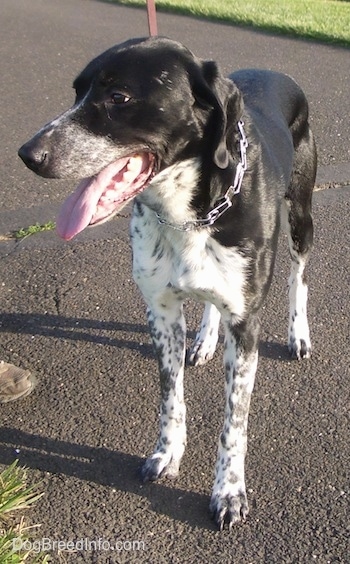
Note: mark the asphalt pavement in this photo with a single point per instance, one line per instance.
(71, 313)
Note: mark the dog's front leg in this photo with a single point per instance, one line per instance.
(229, 500)
(168, 331)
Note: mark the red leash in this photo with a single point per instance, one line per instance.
(152, 17)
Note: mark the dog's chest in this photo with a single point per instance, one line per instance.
(192, 263)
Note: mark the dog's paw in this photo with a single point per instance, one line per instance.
(201, 352)
(299, 343)
(299, 348)
(204, 345)
(229, 509)
(158, 466)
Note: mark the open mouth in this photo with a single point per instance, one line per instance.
(100, 197)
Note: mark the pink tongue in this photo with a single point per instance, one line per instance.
(78, 210)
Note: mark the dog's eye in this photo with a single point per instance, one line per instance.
(119, 98)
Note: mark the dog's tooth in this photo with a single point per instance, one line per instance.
(108, 195)
(128, 176)
(135, 162)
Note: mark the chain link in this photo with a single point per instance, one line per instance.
(224, 203)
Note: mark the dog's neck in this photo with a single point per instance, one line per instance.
(171, 193)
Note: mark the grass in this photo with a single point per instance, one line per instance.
(320, 20)
(15, 497)
(32, 229)
(24, 232)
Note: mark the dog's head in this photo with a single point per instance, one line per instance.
(140, 107)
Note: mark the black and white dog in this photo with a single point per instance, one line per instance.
(215, 165)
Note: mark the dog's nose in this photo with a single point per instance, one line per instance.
(34, 156)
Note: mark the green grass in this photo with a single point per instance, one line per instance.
(16, 497)
(320, 20)
(32, 229)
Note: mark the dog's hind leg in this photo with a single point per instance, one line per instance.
(204, 346)
(168, 331)
(297, 220)
(299, 343)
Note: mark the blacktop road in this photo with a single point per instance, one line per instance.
(72, 314)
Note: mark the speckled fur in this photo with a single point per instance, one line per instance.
(169, 266)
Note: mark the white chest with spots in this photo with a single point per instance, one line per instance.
(191, 263)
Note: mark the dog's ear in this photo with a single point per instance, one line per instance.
(220, 95)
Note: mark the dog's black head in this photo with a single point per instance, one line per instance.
(140, 107)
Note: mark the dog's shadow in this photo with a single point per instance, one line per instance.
(105, 467)
(100, 465)
(105, 333)
(78, 329)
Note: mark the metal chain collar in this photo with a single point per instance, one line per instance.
(223, 203)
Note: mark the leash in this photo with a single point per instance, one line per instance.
(224, 203)
(152, 17)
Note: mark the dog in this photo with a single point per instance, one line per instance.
(215, 165)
